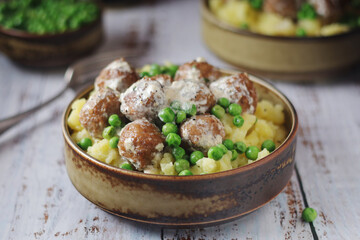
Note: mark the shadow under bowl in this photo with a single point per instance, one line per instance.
(191, 201)
(51, 50)
(281, 58)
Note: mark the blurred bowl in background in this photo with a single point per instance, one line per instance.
(49, 50)
(282, 58)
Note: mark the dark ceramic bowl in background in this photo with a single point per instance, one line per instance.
(51, 50)
(191, 201)
(282, 58)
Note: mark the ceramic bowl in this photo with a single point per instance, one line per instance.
(191, 201)
(283, 58)
(51, 50)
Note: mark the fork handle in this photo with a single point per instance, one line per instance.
(7, 123)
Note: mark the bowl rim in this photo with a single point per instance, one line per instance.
(11, 32)
(208, 15)
(115, 170)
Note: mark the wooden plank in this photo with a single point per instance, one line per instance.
(279, 219)
(328, 154)
(39, 202)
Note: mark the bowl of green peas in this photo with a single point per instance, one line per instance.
(47, 33)
(186, 198)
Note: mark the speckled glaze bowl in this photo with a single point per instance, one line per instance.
(50, 50)
(282, 58)
(191, 201)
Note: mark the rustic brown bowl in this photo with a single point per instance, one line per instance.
(51, 50)
(191, 201)
(283, 58)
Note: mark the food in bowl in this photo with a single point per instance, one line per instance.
(170, 120)
(289, 17)
(47, 16)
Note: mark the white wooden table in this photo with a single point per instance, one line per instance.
(37, 200)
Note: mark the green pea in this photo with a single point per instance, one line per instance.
(167, 115)
(228, 144)
(244, 26)
(155, 69)
(144, 74)
(223, 148)
(235, 109)
(163, 69)
(178, 152)
(173, 140)
(85, 143)
(215, 153)
(126, 166)
(169, 128)
(269, 145)
(175, 105)
(190, 109)
(240, 147)
(181, 165)
(185, 173)
(180, 116)
(252, 152)
(307, 11)
(218, 111)
(224, 102)
(309, 214)
(256, 4)
(195, 156)
(108, 132)
(300, 32)
(238, 121)
(114, 120)
(172, 70)
(113, 142)
(234, 155)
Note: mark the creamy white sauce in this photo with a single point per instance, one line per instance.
(200, 59)
(228, 87)
(147, 98)
(186, 91)
(120, 65)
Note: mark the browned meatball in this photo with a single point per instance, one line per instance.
(96, 111)
(198, 70)
(164, 79)
(286, 8)
(202, 132)
(143, 99)
(139, 142)
(189, 91)
(238, 89)
(329, 10)
(118, 75)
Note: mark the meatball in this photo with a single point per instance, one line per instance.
(189, 91)
(202, 132)
(329, 10)
(118, 75)
(198, 70)
(164, 79)
(96, 111)
(238, 89)
(143, 99)
(284, 8)
(139, 142)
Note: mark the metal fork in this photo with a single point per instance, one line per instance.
(75, 76)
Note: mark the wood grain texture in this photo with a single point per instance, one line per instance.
(328, 164)
(39, 202)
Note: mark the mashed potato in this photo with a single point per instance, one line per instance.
(266, 123)
(239, 13)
